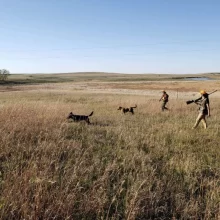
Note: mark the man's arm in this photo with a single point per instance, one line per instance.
(197, 103)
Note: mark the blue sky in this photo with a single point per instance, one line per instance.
(129, 36)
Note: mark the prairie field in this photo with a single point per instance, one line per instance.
(150, 165)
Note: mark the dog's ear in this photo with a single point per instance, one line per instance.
(70, 114)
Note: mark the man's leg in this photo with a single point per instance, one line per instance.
(204, 122)
(163, 106)
(199, 118)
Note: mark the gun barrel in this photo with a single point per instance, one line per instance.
(212, 92)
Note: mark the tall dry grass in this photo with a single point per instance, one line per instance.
(147, 166)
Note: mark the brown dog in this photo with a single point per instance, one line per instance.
(130, 109)
(80, 117)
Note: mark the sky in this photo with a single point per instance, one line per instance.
(123, 36)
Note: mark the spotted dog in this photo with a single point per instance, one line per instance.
(79, 117)
(125, 110)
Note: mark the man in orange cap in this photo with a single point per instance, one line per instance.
(164, 98)
(204, 109)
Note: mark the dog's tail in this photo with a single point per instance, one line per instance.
(90, 114)
(134, 106)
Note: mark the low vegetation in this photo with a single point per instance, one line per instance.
(4, 75)
(149, 165)
(107, 77)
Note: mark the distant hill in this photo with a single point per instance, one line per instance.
(104, 76)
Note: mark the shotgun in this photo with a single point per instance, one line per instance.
(196, 100)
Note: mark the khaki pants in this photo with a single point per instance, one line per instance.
(163, 106)
(201, 117)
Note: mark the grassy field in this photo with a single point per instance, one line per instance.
(150, 165)
(107, 77)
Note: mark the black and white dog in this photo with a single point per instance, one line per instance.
(80, 117)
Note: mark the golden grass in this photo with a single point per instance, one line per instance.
(189, 86)
(147, 166)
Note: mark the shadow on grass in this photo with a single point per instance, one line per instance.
(91, 123)
(32, 81)
(6, 83)
(100, 124)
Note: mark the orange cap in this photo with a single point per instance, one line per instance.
(202, 92)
